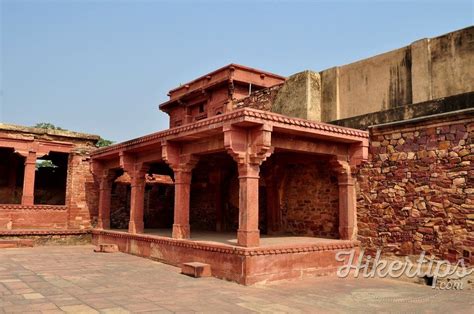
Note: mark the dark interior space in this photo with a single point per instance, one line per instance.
(11, 176)
(51, 179)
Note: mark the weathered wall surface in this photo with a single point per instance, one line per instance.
(425, 70)
(300, 96)
(77, 208)
(81, 191)
(416, 193)
(18, 216)
(310, 200)
(452, 63)
(261, 100)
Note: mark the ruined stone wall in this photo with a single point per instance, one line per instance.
(262, 99)
(82, 192)
(16, 216)
(78, 209)
(416, 193)
(309, 202)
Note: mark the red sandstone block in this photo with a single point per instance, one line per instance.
(16, 243)
(7, 245)
(196, 269)
(106, 248)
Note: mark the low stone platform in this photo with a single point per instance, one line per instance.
(288, 259)
(6, 244)
(39, 237)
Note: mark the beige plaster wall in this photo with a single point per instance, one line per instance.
(300, 96)
(425, 70)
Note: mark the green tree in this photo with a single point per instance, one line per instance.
(45, 125)
(103, 142)
(45, 164)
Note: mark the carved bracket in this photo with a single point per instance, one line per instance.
(359, 153)
(248, 146)
(171, 154)
(104, 175)
(342, 168)
(134, 168)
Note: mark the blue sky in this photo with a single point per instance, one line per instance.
(102, 67)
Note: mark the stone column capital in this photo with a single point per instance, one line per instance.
(248, 170)
(343, 170)
(178, 162)
(248, 145)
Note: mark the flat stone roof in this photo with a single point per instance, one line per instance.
(51, 132)
(240, 115)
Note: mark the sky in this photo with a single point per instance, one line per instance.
(103, 67)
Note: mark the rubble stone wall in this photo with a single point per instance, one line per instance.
(310, 201)
(416, 193)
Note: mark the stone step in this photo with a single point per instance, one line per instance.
(106, 248)
(196, 269)
(4, 244)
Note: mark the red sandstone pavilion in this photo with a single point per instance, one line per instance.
(208, 133)
(263, 177)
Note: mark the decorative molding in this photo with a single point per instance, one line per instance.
(43, 232)
(229, 249)
(263, 116)
(34, 207)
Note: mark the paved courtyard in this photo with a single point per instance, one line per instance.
(76, 280)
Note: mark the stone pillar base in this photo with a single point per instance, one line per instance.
(27, 200)
(346, 233)
(103, 224)
(135, 227)
(181, 231)
(248, 238)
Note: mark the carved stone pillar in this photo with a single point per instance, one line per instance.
(182, 166)
(249, 148)
(105, 194)
(248, 233)
(105, 177)
(137, 197)
(347, 201)
(29, 179)
(182, 192)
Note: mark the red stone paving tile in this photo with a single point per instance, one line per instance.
(130, 283)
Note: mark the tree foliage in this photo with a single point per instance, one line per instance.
(45, 164)
(46, 125)
(103, 142)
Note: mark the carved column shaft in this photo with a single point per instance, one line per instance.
(182, 166)
(249, 148)
(248, 233)
(347, 208)
(137, 198)
(182, 184)
(105, 194)
(29, 179)
(347, 201)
